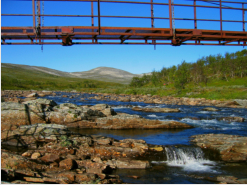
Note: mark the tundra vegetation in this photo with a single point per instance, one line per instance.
(14, 78)
(212, 77)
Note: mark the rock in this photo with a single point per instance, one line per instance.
(103, 141)
(50, 158)
(56, 117)
(157, 148)
(148, 101)
(125, 121)
(29, 135)
(124, 99)
(100, 107)
(241, 102)
(231, 148)
(32, 95)
(42, 101)
(35, 155)
(67, 164)
(224, 179)
(35, 180)
(210, 109)
(30, 112)
(12, 106)
(68, 106)
(53, 165)
(69, 175)
(108, 112)
(21, 117)
(41, 94)
(132, 164)
(85, 178)
(232, 119)
(28, 99)
(242, 181)
(165, 110)
(102, 176)
(43, 110)
(26, 154)
(93, 167)
(14, 162)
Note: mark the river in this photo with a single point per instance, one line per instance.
(182, 162)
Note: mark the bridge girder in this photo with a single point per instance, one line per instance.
(72, 35)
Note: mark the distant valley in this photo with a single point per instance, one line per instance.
(106, 74)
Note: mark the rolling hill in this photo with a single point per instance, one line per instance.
(106, 74)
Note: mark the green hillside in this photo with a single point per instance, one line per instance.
(212, 77)
(14, 77)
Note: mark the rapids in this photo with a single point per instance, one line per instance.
(184, 163)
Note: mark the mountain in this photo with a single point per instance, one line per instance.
(106, 74)
(37, 69)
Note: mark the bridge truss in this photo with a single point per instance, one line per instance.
(38, 34)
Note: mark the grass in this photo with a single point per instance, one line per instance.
(215, 90)
(14, 78)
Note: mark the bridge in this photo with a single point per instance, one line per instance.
(171, 33)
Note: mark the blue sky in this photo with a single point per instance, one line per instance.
(133, 58)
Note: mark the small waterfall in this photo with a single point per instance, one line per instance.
(183, 155)
(189, 158)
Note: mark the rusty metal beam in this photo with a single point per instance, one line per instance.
(97, 33)
(243, 17)
(99, 17)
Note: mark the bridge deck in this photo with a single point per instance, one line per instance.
(69, 35)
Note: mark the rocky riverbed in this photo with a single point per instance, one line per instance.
(81, 138)
(17, 96)
(58, 155)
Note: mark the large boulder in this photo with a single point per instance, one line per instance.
(132, 164)
(19, 114)
(231, 148)
(30, 112)
(30, 135)
(126, 121)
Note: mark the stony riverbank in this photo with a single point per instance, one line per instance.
(100, 116)
(11, 95)
(61, 156)
(54, 154)
(231, 148)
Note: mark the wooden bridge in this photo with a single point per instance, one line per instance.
(96, 33)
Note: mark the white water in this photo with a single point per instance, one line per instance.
(214, 124)
(189, 158)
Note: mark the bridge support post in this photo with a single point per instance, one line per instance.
(170, 16)
(99, 15)
(221, 17)
(34, 22)
(195, 21)
(152, 20)
(243, 16)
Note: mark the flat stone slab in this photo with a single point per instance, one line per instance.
(231, 148)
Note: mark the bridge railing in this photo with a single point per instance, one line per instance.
(175, 22)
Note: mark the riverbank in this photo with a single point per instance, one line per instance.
(17, 96)
(63, 149)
